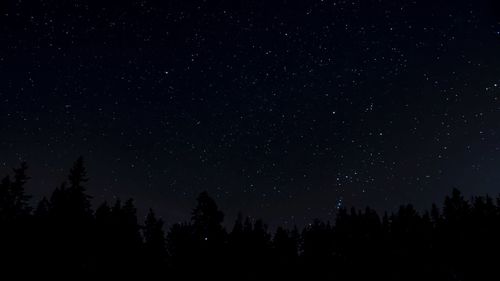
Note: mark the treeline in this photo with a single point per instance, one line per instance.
(63, 237)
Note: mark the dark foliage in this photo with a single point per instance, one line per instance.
(64, 238)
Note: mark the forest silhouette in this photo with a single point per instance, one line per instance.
(63, 237)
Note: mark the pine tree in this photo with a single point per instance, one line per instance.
(13, 199)
(77, 179)
(154, 241)
(207, 219)
(19, 197)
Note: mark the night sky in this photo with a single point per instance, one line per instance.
(285, 110)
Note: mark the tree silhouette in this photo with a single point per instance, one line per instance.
(19, 197)
(15, 225)
(77, 179)
(71, 220)
(64, 238)
(207, 219)
(13, 200)
(181, 248)
(208, 234)
(154, 244)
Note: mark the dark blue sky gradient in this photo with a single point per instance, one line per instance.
(281, 109)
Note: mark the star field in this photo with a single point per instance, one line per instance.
(285, 110)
